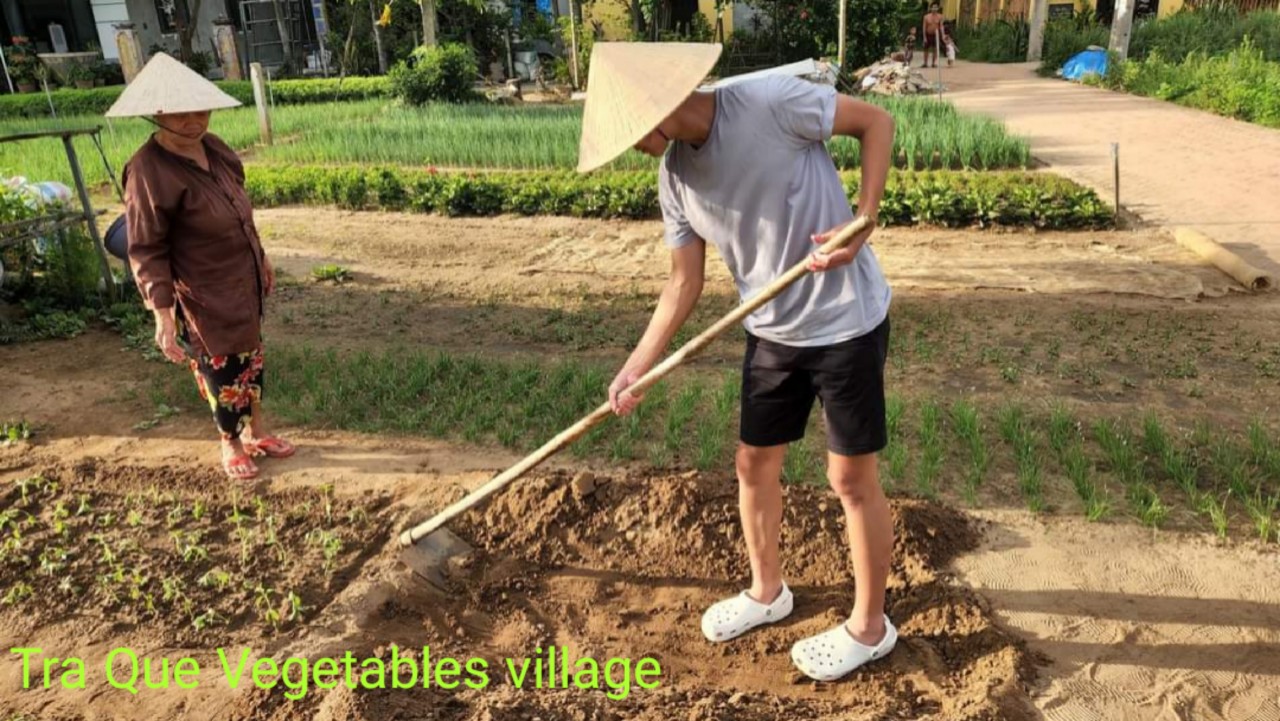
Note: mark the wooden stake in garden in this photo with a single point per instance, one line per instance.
(1115, 162)
(260, 100)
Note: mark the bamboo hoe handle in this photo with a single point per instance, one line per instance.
(655, 374)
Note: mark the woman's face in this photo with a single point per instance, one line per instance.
(190, 126)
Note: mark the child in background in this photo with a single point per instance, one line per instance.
(950, 44)
(909, 46)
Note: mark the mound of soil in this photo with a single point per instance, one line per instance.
(622, 568)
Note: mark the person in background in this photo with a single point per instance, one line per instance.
(909, 46)
(932, 34)
(948, 42)
(196, 256)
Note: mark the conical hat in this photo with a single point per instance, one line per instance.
(632, 88)
(166, 86)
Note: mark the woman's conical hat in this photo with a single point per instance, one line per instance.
(166, 86)
(632, 88)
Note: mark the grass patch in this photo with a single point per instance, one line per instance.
(968, 430)
(930, 450)
(896, 451)
(931, 134)
(1129, 467)
(1017, 431)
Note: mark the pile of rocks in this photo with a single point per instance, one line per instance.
(891, 77)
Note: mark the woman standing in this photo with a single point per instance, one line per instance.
(196, 254)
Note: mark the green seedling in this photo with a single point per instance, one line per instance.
(1263, 515)
(14, 432)
(207, 619)
(215, 578)
(329, 544)
(326, 501)
(296, 608)
(931, 456)
(1217, 512)
(84, 506)
(17, 593)
(198, 510)
(267, 610)
(188, 546)
(964, 418)
(331, 272)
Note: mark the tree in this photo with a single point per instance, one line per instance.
(428, 22)
(183, 14)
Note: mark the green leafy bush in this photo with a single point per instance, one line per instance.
(1242, 84)
(998, 40)
(1211, 30)
(96, 101)
(945, 198)
(71, 269)
(445, 73)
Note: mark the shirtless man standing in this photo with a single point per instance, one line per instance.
(932, 34)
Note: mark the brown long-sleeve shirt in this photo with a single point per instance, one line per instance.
(192, 240)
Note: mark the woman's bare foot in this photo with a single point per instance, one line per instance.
(236, 461)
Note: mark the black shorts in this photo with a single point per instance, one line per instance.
(779, 383)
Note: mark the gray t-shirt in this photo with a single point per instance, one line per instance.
(759, 187)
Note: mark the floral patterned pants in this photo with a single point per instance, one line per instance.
(230, 384)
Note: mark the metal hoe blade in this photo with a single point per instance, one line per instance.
(430, 557)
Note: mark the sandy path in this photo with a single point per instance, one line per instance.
(1178, 166)
(1138, 627)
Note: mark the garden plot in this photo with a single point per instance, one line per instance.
(597, 567)
(489, 335)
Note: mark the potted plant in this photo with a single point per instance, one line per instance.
(23, 64)
(80, 74)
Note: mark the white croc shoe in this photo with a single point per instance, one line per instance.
(732, 617)
(834, 653)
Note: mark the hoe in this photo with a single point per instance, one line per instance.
(428, 547)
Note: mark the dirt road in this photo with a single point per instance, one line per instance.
(1177, 166)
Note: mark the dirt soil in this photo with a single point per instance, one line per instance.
(598, 566)
(1174, 626)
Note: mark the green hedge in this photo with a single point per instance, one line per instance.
(946, 198)
(285, 92)
(1241, 85)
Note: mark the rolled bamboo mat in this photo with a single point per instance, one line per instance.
(1225, 260)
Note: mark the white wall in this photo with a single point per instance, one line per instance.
(106, 13)
(147, 22)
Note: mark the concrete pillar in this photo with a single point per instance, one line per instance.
(1121, 25)
(224, 39)
(1039, 17)
(130, 47)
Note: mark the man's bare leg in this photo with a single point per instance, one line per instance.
(856, 481)
(760, 508)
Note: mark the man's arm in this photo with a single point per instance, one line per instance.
(874, 128)
(678, 298)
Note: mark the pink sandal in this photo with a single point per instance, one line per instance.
(271, 446)
(239, 468)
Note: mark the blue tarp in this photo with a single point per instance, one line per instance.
(1081, 64)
